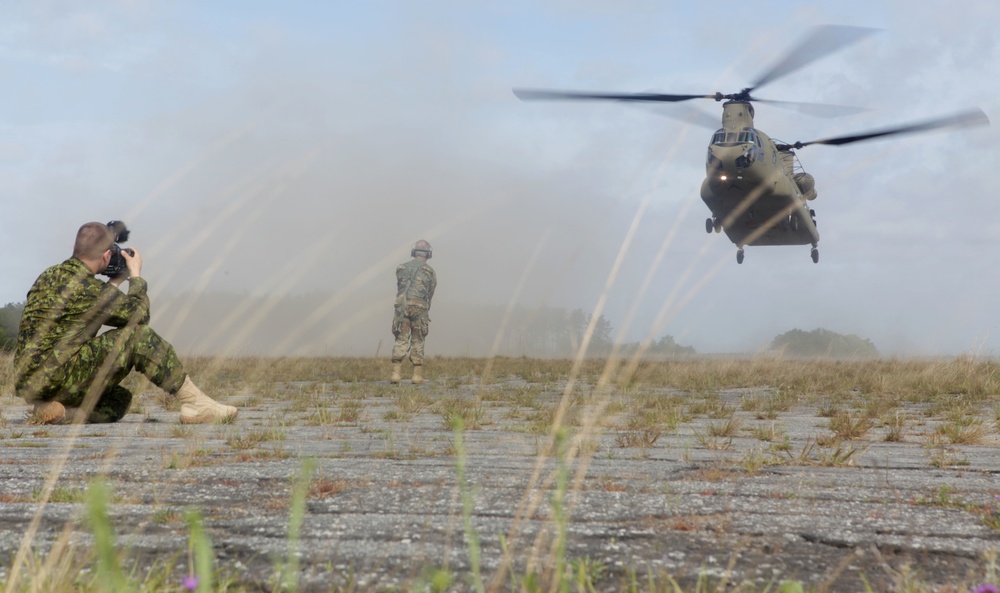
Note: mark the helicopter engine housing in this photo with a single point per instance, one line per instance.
(807, 185)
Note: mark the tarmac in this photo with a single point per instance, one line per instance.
(386, 509)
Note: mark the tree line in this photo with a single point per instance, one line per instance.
(10, 318)
(478, 330)
(558, 332)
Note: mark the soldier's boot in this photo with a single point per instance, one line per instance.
(418, 375)
(74, 416)
(198, 408)
(397, 373)
(49, 412)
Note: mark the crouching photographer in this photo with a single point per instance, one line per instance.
(66, 370)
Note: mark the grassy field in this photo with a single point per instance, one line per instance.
(734, 411)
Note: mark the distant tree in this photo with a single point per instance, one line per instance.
(823, 343)
(554, 331)
(667, 345)
(10, 319)
(601, 341)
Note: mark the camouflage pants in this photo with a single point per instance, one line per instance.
(104, 362)
(410, 333)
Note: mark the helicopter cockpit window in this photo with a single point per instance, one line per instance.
(749, 135)
(745, 136)
(724, 137)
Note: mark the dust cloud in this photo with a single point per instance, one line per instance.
(275, 167)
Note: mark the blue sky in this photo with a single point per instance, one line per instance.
(286, 148)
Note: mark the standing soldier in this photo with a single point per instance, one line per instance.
(415, 284)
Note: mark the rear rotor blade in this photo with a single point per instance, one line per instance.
(973, 117)
(820, 42)
(544, 95)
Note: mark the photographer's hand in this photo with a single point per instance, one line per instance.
(133, 263)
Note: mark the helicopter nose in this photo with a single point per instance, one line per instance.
(722, 160)
(712, 163)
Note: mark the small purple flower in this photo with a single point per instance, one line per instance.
(191, 583)
(986, 588)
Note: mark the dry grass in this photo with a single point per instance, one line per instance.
(643, 438)
(770, 433)
(850, 426)
(910, 380)
(969, 379)
(895, 428)
(461, 412)
(730, 428)
(964, 433)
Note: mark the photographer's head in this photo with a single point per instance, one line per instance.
(93, 245)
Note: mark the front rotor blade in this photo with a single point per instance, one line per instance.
(816, 109)
(545, 95)
(973, 117)
(685, 112)
(820, 42)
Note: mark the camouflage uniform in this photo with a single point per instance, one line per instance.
(415, 284)
(60, 357)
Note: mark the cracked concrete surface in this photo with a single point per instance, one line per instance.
(384, 506)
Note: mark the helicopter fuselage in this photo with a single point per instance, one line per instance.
(752, 188)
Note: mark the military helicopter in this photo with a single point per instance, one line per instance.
(755, 187)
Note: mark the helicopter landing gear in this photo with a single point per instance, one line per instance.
(718, 225)
(709, 225)
(793, 223)
(815, 255)
(739, 255)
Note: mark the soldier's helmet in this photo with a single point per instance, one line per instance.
(421, 248)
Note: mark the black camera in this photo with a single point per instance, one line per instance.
(117, 266)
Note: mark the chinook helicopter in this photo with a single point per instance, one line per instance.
(755, 187)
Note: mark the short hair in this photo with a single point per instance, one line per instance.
(92, 240)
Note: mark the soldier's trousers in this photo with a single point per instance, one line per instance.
(104, 362)
(410, 334)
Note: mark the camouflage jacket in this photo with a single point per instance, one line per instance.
(415, 284)
(65, 308)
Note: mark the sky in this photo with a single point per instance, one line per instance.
(273, 150)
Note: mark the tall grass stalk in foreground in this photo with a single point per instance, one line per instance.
(110, 576)
(559, 512)
(466, 494)
(288, 574)
(200, 557)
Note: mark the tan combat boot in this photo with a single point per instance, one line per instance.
(48, 412)
(418, 376)
(397, 373)
(198, 408)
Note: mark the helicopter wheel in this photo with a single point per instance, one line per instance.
(793, 223)
(815, 255)
(718, 225)
(739, 256)
(709, 225)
